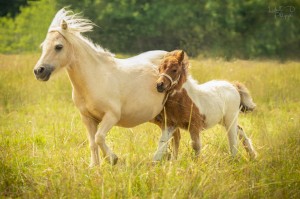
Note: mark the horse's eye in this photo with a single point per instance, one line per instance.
(58, 47)
(174, 71)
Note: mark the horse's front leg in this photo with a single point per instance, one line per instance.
(91, 126)
(108, 121)
(163, 143)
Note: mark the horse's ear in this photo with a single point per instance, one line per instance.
(180, 56)
(64, 25)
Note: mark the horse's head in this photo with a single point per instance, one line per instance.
(56, 54)
(172, 71)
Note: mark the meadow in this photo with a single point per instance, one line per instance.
(44, 151)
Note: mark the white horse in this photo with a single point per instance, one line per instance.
(106, 90)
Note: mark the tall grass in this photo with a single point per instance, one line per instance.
(44, 151)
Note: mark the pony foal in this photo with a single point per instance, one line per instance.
(197, 107)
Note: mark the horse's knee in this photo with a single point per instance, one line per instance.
(99, 139)
(93, 146)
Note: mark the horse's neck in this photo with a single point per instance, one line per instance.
(88, 68)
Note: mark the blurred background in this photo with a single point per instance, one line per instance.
(252, 29)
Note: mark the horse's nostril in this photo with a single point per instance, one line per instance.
(41, 70)
(159, 84)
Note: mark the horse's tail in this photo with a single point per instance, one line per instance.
(247, 103)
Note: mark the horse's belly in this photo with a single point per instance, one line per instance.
(134, 121)
(135, 117)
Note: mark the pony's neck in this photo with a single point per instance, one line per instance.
(191, 86)
(193, 89)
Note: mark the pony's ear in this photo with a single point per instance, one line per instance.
(64, 25)
(180, 56)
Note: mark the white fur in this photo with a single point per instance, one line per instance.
(219, 101)
(215, 99)
(106, 90)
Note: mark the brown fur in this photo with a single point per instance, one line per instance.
(181, 112)
(175, 60)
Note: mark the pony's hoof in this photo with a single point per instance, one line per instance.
(157, 157)
(113, 159)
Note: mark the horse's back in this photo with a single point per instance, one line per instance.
(215, 99)
(154, 57)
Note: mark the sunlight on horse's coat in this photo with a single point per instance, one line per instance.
(106, 90)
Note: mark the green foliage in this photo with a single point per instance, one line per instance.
(244, 29)
(218, 28)
(45, 151)
(11, 7)
(28, 29)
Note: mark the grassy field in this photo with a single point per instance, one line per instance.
(44, 152)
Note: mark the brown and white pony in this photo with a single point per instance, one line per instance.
(196, 107)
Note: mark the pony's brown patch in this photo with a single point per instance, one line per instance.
(180, 110)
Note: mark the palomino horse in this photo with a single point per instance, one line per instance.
(197, 107)
(107, 91)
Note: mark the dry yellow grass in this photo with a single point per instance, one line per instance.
(44, 151)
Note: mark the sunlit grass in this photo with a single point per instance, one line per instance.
(44, 150)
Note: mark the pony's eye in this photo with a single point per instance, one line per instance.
(58, 47)
(174, 71)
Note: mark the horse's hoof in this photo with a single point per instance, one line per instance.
(253, 155)
(92, 165)
(168, 156)
(113, 159)
(157, 157)
(154, 163)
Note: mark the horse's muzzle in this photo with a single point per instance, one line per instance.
(43, 72)
(160, 87)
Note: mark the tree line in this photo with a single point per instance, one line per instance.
(217, 28)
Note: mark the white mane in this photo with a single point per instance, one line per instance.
(76, 25)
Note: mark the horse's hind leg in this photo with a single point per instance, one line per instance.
(91, 126)
(246, 142)
(175, 142)
(231, 127)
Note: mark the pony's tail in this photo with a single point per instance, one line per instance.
(247, 103)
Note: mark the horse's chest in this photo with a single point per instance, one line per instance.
(88, 106)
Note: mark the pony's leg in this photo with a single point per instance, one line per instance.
(91, 126)
(175, 142)
(163, 143)
(108, 121)
(196, 144)
(246, 142)
(231, 127)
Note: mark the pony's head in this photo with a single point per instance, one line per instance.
(172, 71)
(57, 49)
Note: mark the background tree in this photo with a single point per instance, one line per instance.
(218, 28)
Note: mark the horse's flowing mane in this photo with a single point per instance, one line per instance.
(76, 25)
